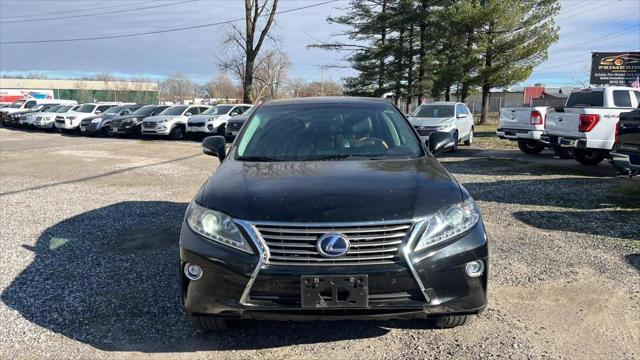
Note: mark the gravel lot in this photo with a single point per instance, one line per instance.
(89, 232)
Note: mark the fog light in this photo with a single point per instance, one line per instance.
(192, 271)
(474, 268)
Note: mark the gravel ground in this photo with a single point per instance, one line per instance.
(89, 232)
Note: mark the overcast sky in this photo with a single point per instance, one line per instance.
(585, 26)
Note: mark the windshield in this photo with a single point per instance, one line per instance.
(113, 110)
(434, 111)
(63, 109)
(50, 108)
(304, 132)
(38, 107)
(86, 108)
(595, 98)
(16, 104)
(218, 110)
(145, 110)
(174, 110)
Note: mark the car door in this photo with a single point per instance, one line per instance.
(461, 121)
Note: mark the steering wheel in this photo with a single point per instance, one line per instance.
(372, 142)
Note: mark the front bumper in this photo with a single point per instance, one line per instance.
(515, 134)
(127, 129)
(241, 285)
(204, 129)
(157, 130)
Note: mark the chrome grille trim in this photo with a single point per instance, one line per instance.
(371, 243)
(263, 250)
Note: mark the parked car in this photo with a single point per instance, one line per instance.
(171, 122)
(47, 120)
(452, 117)
(524, 125)
(626, 152)
(23, 106)
(131, 124)
(587, 123)
(235, 124)
(27, 119)
(14, 118)
(71, 121)
(214, 120)
(101, 124)
(331, 208)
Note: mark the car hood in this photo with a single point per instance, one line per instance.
(424, 121)
(204, 118)
(49, 114)
(161, 117)
(330, 191)
(78, 114)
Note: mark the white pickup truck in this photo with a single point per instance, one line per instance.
(587, 123)
(524, 125)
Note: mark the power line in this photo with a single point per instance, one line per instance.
(158, 31)
(606, 36)
(74, 10)
(97, 14)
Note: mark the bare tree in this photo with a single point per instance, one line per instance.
(177, 88)
(249, 42)
(222, 87)
(270, 74)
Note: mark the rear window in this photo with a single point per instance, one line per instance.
(621, 98)
(583, 99)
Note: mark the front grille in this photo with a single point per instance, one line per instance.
(196, 124)
(370, 244)
(149, 124)
(234, 126)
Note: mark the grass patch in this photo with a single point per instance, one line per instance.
(485, 137)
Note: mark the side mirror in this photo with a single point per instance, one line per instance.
(462, 116)
(98, 112)
(440, 142)
(188, 114)
(214, 146)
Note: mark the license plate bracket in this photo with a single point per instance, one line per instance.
(334, 291)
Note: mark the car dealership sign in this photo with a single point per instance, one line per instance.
(615, 68)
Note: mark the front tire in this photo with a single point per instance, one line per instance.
(449, 322)
(209, 324)
(176, 133)
(530, 146)
(589, 157)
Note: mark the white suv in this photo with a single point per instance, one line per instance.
(72, 120)
(171, 122)
(449, 116)
(214, 120)
(47, 120)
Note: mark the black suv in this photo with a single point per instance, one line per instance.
(625, 155)
(331, 208)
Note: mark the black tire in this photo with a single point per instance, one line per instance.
(563, 153)
(449, 322)
(176, 133)
(209, 324)
(589, 157)
(530, 146)
(469, 141)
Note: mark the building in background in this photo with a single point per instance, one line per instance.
(142, 92)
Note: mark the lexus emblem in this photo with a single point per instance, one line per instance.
(332, 245)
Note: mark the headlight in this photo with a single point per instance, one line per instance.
(162, 121)
(445, 127)
(216, 226)
(96, 120)
(447, 223)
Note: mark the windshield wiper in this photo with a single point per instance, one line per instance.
(257, 158)
(329, 157)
